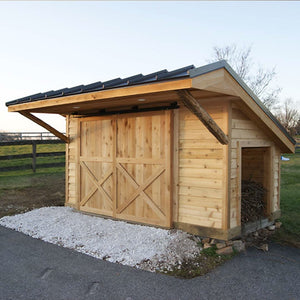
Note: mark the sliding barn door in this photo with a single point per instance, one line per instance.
(143, 168)
(125, 167)
(96, 165)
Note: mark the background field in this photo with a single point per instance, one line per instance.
(21, 191)
(290, 201)
(27, 149)
(24, 190)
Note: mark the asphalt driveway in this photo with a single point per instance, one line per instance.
(33, 269)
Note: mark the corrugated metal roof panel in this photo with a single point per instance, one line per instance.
(57, 93)
(46, 93)
(148, 78)
(74, 90)
(111, 83)
(92, 86)
(134, 78)
(36, 96)
(176, 73)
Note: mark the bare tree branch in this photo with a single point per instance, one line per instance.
(289, 116)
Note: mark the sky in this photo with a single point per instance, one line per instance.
(51, 45)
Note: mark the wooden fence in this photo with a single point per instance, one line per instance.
(26, 136)
(30, 138)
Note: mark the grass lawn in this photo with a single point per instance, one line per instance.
(23, 149)
(24, 190)
(27, 191)
(290, 201)
(27, 149)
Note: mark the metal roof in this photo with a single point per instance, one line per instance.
(111, 84)
(163, 75)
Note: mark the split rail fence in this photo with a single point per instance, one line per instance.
(34, 139)
(297, 147)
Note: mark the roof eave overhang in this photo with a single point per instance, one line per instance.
(222, 79)
(104, 95)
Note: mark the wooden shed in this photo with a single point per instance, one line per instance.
(168, 149)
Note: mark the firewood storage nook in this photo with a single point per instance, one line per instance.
(168, 149)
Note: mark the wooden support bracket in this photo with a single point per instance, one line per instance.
(193, 105)
(45, 125)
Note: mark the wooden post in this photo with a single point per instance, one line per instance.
(34, 157)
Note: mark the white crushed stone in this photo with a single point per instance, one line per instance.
(138, 246)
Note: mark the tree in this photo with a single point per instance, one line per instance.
(256, 77)
(297, 129)
(289, 116)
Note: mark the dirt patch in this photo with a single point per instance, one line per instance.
(39, 192)
(264, 236)
(202, 264)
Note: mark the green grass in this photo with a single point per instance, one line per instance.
(25, 178)
(24, 190)
(24, 149)
(21, 193)
(290, 201)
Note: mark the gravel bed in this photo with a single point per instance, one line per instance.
(138, 246)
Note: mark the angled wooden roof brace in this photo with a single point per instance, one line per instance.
(45, 125)
(193, 105)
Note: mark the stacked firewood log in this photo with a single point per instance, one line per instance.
(253, 204)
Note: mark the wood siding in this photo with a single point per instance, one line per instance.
(206, 176)
(71, 148)
(255, 164)
(276, 156)
(202, 171)
(245, 133)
